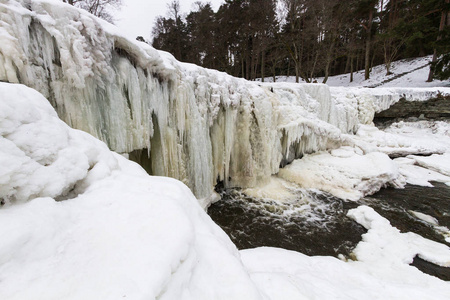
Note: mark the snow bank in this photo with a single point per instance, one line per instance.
(81, 222)
(346, 172)
(380, 272)
(369, 101)
(402, 138)
(418, 175)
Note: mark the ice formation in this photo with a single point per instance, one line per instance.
(344, 173)
(199, 126)
(82, 222)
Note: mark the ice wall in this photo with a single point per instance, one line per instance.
(196, 125)
(368, 101)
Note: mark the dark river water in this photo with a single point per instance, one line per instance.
(316, 223)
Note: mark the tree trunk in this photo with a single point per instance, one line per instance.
(329, 56)
(368, 44)
(351, 68)
(388, 68)
(263, 65)
(289, 68)
(441, 28)
(357, 61)
(247, 66)
(242, 67)
(347, 65)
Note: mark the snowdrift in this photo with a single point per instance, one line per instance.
(178, 120)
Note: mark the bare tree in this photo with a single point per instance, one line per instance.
(99, 8)
(444, 15)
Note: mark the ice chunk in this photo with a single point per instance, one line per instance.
(345, 172)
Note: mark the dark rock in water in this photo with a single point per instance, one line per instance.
(317, 223)
(433, 108)
(431, 269)
(395, 204)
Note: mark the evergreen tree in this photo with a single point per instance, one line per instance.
(308, 38)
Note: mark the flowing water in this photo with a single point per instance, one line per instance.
(316, 223)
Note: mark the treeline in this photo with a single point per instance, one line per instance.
(305, 38)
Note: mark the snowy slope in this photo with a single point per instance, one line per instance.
(411, 72)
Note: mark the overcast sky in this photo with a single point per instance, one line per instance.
(137, 17)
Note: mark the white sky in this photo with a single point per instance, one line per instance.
(137, 17)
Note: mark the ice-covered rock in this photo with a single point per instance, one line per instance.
(345, 172)
(418, 175)
(435, 162)
(421, 137)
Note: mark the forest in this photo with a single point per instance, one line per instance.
(306, 38)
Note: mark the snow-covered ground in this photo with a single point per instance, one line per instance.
(381, 270)
(81, 222)
(411, 72)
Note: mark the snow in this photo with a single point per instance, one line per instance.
(435, 162)
(417, 175)
(394, 248)
(422, 146)
(424, 217)
(402, 138)
(380, 272)
(98, 227)
(345, 172)
(412, 72)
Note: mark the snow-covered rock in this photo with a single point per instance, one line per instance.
(345, 172)
(381, 271)
(403, 138)
(417, 175)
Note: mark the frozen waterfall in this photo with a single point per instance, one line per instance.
(197, 125)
